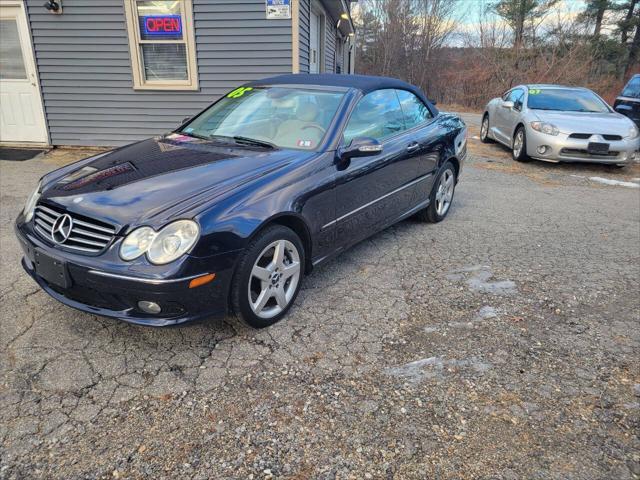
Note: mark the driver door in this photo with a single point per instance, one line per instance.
(373, 190)
(507, 118)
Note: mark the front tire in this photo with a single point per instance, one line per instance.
(268, 277)
(441, 195)
(519, 145)
(484, 130)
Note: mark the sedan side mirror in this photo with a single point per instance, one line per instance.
(507, 104)
(185, 120)
(359, 147)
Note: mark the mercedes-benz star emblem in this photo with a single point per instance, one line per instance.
(61, 228)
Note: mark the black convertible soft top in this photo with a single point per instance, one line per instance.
(364, 83)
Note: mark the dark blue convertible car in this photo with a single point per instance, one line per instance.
(230, 210)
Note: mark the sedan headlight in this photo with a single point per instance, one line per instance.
(633, 132)
(544, 127)
(161, 247)
(30, 206)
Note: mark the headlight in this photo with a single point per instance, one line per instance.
(633, 132)
(30, 206)
(544, 127)
(161, 247)
(137, 243)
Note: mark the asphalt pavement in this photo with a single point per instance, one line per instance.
(502, 343)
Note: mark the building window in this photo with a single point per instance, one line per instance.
(162, 44)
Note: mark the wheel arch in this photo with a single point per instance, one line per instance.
(298, 224)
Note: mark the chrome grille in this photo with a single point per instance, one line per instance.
(86, 235)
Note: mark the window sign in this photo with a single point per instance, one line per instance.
(166, 27)
(278, 9)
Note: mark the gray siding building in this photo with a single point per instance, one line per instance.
(111, 72)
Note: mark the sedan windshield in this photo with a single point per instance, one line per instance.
(268, 117)
(565, 100)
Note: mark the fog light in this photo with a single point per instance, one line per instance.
(149, 307)
(542, 149)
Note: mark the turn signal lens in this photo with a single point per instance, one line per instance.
(203, 280)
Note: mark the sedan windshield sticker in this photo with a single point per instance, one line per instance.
(238, 92)
(534, 91)
(305, 143)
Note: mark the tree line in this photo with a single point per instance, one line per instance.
(463, 52)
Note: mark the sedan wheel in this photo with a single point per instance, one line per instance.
(484, 130)
(441, 195)
(444, 193)
(519, 149)
(274, 279)
(268, 277)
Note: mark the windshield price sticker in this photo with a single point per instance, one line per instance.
(534, 91)
(238, 92)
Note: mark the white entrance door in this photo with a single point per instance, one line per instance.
(314, 43)
(21, 113)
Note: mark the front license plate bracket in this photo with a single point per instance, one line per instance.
(51, 269)
(595, 148)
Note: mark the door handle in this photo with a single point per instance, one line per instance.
(412, 147)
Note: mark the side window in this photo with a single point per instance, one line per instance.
(378, 115)
(414, 109)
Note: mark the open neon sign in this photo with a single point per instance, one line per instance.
(164, 25)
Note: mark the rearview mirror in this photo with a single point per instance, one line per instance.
(507, 104)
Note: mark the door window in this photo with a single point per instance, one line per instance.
(414, 110)
(377, 115)
(11, 59)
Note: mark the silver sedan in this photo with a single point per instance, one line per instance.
(560, 124)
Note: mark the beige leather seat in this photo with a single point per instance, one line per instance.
(303, 131)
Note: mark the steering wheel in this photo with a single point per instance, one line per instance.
(316, 126)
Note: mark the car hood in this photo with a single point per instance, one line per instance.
(156, 179)
(586, 122)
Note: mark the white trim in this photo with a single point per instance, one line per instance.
(30, 61)
(139, 80)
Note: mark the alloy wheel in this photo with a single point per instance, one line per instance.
(274, 278)
(517, 144)
(484, 129)
(444, 193)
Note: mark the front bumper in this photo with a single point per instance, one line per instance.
(561, 148)
(98, 291)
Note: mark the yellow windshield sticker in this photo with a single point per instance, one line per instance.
(238, 92)
(534, 91)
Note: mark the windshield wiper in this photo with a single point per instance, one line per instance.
(194, 135)
(254, 141)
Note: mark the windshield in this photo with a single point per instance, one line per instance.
(633, 88)
(565, 100)
(283, 117)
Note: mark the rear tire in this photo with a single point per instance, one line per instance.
(441, 196)
(268, 277)
(484, 130)
(519, 145)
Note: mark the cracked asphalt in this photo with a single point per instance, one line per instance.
(502, 343)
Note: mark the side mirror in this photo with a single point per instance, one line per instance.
(185, 120)
(360, 147)
(507, 104)
(433, 102)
